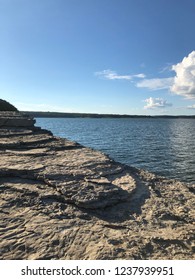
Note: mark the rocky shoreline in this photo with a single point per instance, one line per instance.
(61, 200)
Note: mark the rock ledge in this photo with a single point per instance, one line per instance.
(60, 200)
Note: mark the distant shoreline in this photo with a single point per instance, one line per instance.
(93, 115)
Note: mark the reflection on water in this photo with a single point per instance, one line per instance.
(183, 149)
(164, 146)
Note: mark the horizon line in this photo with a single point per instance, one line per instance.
(101, 114)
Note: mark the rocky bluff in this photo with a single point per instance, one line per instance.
(61, 200)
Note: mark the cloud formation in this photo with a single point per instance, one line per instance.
(152, 103)
(156, 84)
(191, 107)
(112, 75)
(184, 81)
(182, 84)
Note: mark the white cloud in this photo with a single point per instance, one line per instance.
(184, 81)
(191, 106)
(152, 103)
(155, 84)
(112, 75)
(141, 75)
(166, 68)
(182, 84)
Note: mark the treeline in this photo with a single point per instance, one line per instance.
(90, 115)
(6, 106)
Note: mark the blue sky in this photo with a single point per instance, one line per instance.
(101, 56)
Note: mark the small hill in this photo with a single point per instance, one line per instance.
(6, 106)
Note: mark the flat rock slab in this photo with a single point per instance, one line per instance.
(15, 119)
(60, 200)
(71, 169)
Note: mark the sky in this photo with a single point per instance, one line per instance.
(98, 56)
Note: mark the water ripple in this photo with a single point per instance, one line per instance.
(163, 146)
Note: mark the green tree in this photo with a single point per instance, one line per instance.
(6, 106)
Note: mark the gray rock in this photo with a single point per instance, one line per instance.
(60, 200)
(15, 119)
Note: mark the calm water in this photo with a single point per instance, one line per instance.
(162, 146)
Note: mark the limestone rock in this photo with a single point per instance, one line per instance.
(60, 200)
(15, 119)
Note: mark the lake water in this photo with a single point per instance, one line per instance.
(162, 146)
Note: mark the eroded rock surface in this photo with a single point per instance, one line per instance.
(60, 200)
